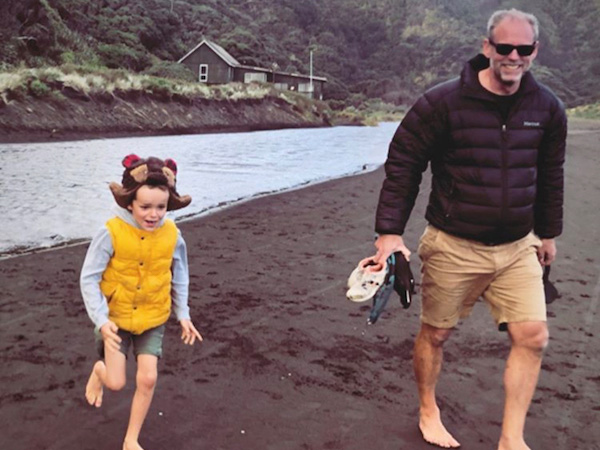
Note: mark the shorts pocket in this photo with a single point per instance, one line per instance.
(530, 241)
(427, 242)
(535, 241)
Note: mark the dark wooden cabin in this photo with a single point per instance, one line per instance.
(212, 64)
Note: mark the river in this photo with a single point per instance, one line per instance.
(57, 193)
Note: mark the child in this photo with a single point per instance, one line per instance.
(134, 267)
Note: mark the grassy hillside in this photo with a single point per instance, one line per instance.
(67, 103)
(387, 49)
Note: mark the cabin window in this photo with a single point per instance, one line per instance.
(249, 77)
(305, 87)
(203, 73)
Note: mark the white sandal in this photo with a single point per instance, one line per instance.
(362, 283)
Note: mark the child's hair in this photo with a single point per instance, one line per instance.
(152, 185)
(152, 172)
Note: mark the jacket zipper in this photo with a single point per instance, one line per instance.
(504, 206)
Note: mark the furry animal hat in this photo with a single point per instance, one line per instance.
(152, 172)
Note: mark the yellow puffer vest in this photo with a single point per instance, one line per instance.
(137, 280)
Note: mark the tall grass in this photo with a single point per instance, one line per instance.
(90, 81)
(591, 111)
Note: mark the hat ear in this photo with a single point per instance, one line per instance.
(177, 202)
(170, 176)
(171, 164)
(122, 196)
(130, 160)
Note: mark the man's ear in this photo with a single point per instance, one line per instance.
(535, 52)
(487, 48)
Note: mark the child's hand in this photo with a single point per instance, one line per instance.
(110, 336)
(189, 334)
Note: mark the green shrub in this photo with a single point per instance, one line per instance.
(336, 105)
(48, 75)
(57, 97)
(9, 51)
(357, 100)
(38, 88)
(335, 90)
(160, 88)
(118, 37)
(67, 57)
(121, 57)
(165, 69)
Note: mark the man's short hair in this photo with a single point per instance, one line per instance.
(502, 14)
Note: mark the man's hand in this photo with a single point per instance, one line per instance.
(387, 244)
(189, 334)
(110, 337)
(547, 252)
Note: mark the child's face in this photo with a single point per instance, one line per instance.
(149, 206)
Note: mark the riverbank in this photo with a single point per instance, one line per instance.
(287, 362)
(31, 119)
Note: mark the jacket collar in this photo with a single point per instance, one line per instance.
(471, 86)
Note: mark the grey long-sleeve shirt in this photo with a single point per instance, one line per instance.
(96, 260)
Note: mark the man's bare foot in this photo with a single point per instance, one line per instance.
(131, 445)
(93, 389)
(512, 444)
(434, 432)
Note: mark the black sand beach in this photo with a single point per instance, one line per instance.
(288, 363)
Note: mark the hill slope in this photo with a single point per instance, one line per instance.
(391, 49)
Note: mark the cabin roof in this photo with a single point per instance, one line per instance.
(220, 51)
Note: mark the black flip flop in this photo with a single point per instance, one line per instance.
(399, 278)
(404, 281)
(550, 291)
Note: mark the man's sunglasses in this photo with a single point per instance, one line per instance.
(506, 49)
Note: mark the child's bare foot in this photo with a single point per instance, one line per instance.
(512, 444)
(93, 389)
(131, 445)
(434, 431)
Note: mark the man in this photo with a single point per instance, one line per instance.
(495, 139)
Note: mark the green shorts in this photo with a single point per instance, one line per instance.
(456, 272)
(147, 343)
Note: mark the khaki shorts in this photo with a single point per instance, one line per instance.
(455, 272)
(147, 343)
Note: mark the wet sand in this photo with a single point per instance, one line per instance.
(287, 362)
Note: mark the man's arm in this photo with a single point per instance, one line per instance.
(550, 177)
(410, 151)
(550, 185)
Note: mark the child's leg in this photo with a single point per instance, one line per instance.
(109, 373)
(147, 374)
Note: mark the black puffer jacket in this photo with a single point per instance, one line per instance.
(494, 179)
